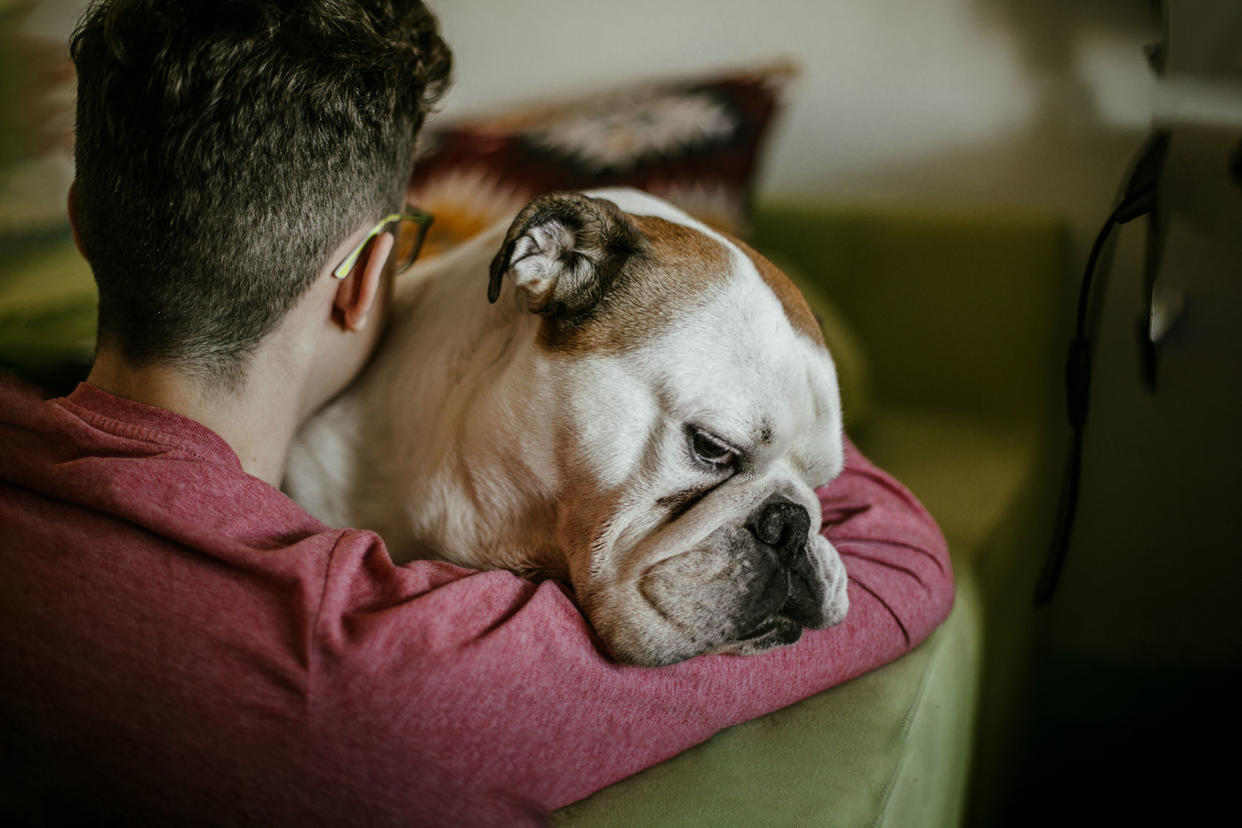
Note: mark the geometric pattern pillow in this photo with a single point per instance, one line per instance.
(695, 142)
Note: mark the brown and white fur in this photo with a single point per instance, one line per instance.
(644, 411)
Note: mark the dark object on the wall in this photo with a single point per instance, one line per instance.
(1138, 199)
(1235, 166)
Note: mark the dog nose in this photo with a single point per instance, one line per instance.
(783, 527)
(781, 524)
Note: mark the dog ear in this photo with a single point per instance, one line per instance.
(563, 251)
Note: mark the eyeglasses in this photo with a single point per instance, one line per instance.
(409, 231)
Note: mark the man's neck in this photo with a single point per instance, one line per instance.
(258, 421)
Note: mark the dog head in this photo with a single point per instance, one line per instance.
(695, 410)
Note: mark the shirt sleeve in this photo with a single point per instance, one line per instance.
(461, 696)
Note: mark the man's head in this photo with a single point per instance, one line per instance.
(226, 150)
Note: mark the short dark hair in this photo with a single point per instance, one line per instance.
(225, 149)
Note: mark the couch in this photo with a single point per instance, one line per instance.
(948, 328)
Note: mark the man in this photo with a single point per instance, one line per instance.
(179, 641)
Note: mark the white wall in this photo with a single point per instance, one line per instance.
(1014, 102)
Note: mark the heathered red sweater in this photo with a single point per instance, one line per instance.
(180, 643)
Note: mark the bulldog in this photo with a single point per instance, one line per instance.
(644, 410)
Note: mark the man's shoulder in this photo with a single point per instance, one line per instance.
(18, 396)
(126, 469)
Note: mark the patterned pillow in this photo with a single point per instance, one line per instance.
(695, 142)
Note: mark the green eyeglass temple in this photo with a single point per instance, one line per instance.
(422, 219)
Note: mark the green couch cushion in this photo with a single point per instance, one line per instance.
(957, 310)
(970, 474)
(853, 369)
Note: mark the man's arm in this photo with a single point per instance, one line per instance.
(486, 697)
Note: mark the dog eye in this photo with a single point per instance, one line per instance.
(710, 449)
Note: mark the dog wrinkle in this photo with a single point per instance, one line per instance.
(681, 502)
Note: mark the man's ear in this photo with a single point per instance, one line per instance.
(72, 207)
(355, 297)
(563, 251)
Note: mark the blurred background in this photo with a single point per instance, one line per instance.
(975, 107)
(975, 102)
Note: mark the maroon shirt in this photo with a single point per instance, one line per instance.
(181, 643)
